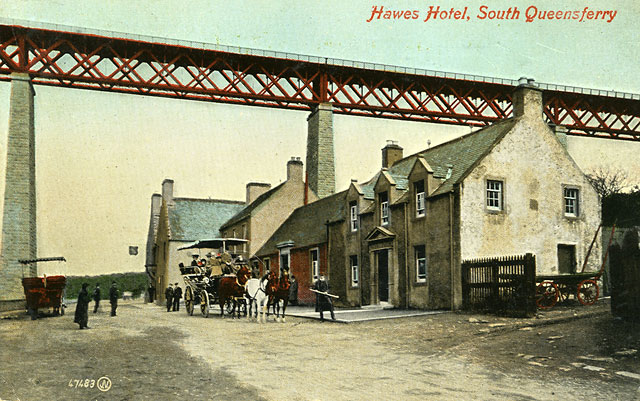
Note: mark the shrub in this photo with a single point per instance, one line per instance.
(136, 283)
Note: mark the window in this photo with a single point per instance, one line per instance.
(419, 185)
(244, 236)
(571, 202)
(353, 262)
(234, 236)
(384, 209)
(353, 216)
(421, 264)
(267, 265)
(494, 195)
(313, 256)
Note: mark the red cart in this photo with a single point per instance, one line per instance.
(44, 292)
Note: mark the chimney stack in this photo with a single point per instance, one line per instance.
(294, 169)
(391, 153)
(156, 203)
(561, 134)
(167, 191)
(255, 189)
(527, 99)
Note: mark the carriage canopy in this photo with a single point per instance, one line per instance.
(214, 243)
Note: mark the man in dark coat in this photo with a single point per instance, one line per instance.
(152, 292)
(168, 295)
(113, 298)
(323, 302)
(177, 295)
(96, 298)
(82, 307)
(293, 291)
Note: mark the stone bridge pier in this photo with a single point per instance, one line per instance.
(19, 214)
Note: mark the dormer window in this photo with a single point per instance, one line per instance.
(384, 209)
(353, 216)
(420, 198)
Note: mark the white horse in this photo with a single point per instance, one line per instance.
(256, 294)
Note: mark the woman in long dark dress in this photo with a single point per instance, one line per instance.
(82, 308)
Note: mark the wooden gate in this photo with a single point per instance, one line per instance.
(503, 285)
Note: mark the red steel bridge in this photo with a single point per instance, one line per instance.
(88, 59)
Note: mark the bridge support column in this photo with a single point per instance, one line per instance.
(321, 170)
(19, 215)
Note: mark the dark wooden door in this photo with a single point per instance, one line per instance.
(566, 259)
(383, 275)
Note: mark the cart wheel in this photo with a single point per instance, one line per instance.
(563, 292)
(546, 294)
(204, 304)
(188, 300)
(588, 292)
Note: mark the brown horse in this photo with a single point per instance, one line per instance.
(232, 287)
(278, 290)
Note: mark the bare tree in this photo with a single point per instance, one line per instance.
(608, 181)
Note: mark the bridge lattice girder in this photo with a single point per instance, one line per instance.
(237, 76)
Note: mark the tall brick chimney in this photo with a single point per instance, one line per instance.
(294, 169)
(527, 99)
(391, 153)
(255, 189)
(167, 191)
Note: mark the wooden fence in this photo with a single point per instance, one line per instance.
(503, 285)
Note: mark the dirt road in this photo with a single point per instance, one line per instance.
(148, 353)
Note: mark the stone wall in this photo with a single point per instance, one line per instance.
(534, 168)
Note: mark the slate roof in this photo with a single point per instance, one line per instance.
(193, 219)
(306, 225)
(248, 210)
(461, 153)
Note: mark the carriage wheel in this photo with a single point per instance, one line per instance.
(188, 300)
(588, 292)
(204, 304)
(546, 294)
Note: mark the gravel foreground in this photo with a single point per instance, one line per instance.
(569, 353)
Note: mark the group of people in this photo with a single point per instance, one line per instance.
(82, 308)
(173, 296)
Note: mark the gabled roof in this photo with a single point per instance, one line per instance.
(192, 219)
(461, 154)
(248, 210)
(306, 225)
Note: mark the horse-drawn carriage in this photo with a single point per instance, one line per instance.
(217, 282)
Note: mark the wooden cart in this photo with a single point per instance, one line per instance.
(583, 286)
(44, 292)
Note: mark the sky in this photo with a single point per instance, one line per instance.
(100, 156)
